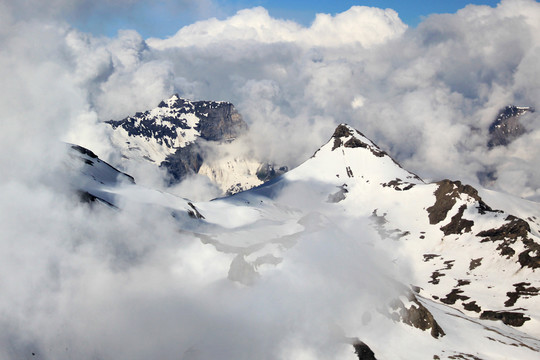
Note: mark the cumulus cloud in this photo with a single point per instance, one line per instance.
(363, 25)
(425, 95)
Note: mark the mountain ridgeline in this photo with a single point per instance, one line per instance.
(472, 266)
(179, 134)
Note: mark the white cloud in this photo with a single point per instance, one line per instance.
(426, 95)
(359, 25)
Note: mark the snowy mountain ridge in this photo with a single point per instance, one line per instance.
(472, 268)
(173, 124)
(178, 133)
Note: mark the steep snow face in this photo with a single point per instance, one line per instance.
(175, 123)
(97, 181)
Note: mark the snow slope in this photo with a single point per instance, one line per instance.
(351, 248)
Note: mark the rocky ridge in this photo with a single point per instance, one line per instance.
(178, 133)
(507, 127)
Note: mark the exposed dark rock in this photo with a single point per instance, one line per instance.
(525, 258)
(398, 185)
(524, 290)
(417, 315)
(457, 224)
(435, 277)
(84, 151)
(234, 189)
(337, 143)
(463, 356)
(194, 212)
(355, 143)
(453, 296)
(363, 351)
(475, 263)
(95, 159)
(514, 228)
(508, 317)
(185, 161)
(428, 257)
(342, 131)
(217, 121)
(472, 306)
(267, 172)
(506, 127)
(445, 198)
(449, 264)
(508, 234)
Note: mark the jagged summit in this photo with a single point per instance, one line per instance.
(347, 136)
(171, 135)
(175, 123)
(350, 154)
(175, 101)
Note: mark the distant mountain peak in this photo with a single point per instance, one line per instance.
(173, 101)
(350, 154)
(506, 126)
(175, 123)
(171, 136)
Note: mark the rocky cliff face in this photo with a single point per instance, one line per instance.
(506, 127)
(158, 133)
(172, 136)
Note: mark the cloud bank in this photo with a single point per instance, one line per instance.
(75, 280)
(426, 95)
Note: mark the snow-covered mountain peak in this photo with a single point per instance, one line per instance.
(347, 136)
(350, 154)
(175, 123)
(473, 268)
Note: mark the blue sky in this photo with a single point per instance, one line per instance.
(164, 18)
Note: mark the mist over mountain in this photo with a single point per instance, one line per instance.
(507, 127)
(432, 263)
(187, 138)
(347, 254)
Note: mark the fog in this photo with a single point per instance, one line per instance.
(94, 282)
